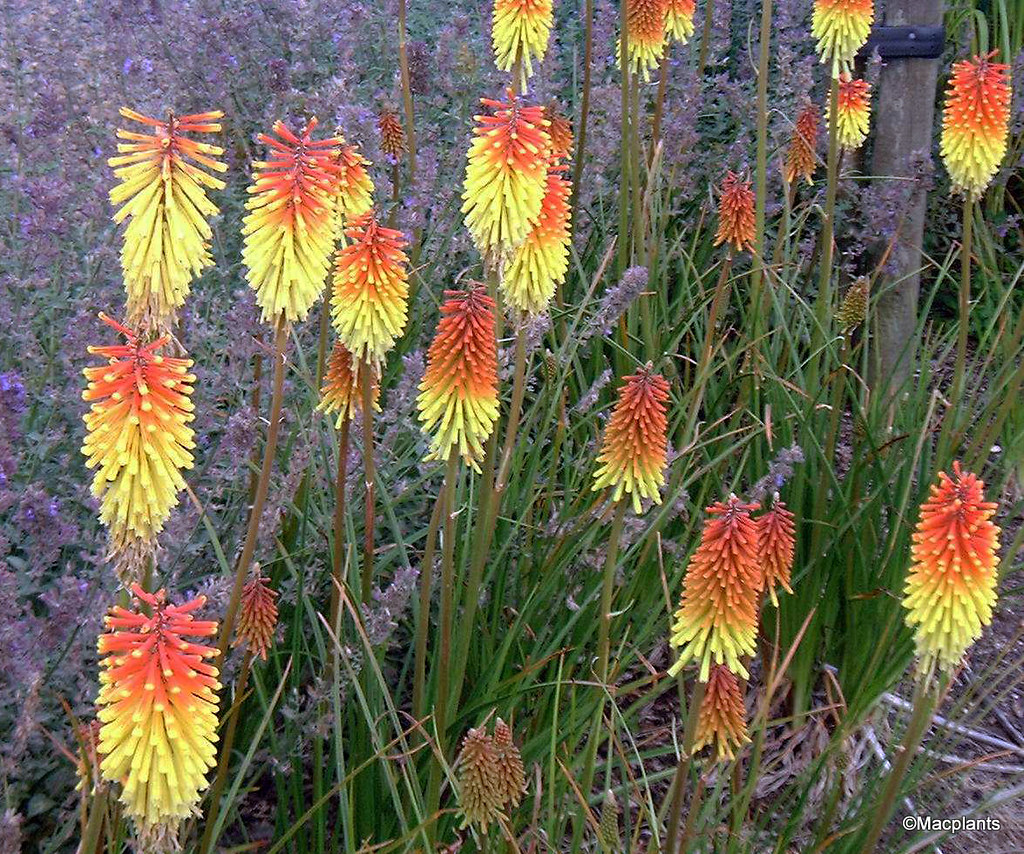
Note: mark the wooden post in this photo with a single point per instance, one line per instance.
(904, 106)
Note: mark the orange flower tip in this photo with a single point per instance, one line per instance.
(717, 619)
(290, 228)
(458, 400)
(634, 450)
(370, 289)
(951, 585)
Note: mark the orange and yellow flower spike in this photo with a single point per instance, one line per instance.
(722, 719)
(634, 451)
(162, 189)
(854, 112)
(717, 619)
(539, 265)
(975, 122)
(137, 436)
(800, 158)
(776, 543)
(519, 35)
(951, 586)
(646, 22)
(735, 214)
(458, 401)
(290, 228)
(841, 28)
(353, 186)
(506, 176)
(679, 19)
(158, 708)
(368, 302)
(341, 392)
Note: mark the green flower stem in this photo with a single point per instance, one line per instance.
(371, 480)
(683, 773)
(262, 486)
(338, 545)
(423, 618)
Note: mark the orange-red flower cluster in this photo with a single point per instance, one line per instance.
(137, 437)
(158, 707)
(975, 122)
(776, 543)
(951, 587)
(506, 176)
(290, 228)
(717, 619)
(371, 289)
(633, 453)
(458, 400)
(342, 391)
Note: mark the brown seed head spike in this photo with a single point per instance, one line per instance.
(511, 776)
(479, 780)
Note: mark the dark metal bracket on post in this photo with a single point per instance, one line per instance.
(903, 42)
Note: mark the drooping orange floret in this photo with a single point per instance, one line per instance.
(137, 438)
(539, 265)
(506, 176)
(645, 35)
(163, 190)
(951, 586)
(717, 619)
(841, 28)
(519, 35)
(290, 228)
(458, 401)
(853, 111)
(735, 214)
(975, 122)
(342, 391)
(392, 134)
(634, 450)
(371, 289)
(776, 543)
(257, 615)
(158, 707)
(679, 19)
(559, 131)
(722, 719)
(800, 159)
(353, 187)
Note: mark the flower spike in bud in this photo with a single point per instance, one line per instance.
(342, 392)
(722, 719)
(776, 543)
(800, 159)
(257, 617)
(735, 214)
